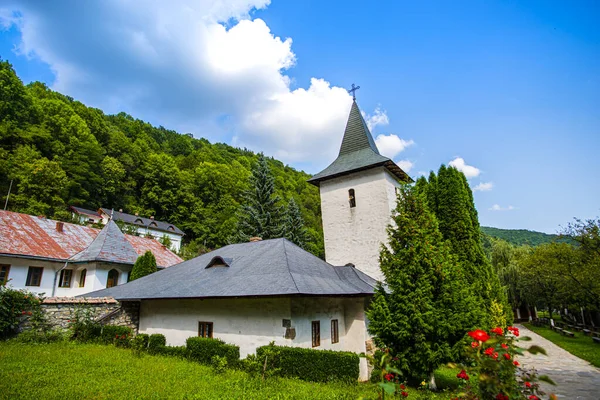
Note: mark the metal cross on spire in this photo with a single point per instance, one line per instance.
(353, 91)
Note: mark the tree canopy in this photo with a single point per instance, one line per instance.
(144, 265)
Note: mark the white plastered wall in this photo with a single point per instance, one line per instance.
(355, 234)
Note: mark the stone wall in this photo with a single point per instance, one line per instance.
(106, 310)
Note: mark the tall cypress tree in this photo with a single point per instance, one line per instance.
(293, 225)
(260, 214)
(427, 306)
(144, 265)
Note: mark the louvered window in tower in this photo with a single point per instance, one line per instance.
(351, 198)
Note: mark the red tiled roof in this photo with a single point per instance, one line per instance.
(30, 236)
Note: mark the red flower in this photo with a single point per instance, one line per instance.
(474, 344)
(498, 331)
(404, 394)
(516, 363)
(501, 396)
(402, 387)
(504, 346)
(480, 335)
(489, 351)
(28, 312)
(527, 384)
(495, 356)
(507, 356)
(533, 397)
(389, 377)
(463, 375)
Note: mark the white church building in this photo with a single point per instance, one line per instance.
(250, 294)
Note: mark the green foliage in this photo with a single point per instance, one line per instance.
(293, 225)
(83, 326)
(156, 341)
(311, 365)
(115, 334)
(219, 364)
(15, 307)
(428, 304)
(60, 152)
(173, 351)
(144, 265)
(140, 342)
(204, 349)
(32, 336)
(520, 237)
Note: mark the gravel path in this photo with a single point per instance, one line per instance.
(575, 379)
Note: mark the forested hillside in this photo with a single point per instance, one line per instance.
(519, 237)
(59, 152)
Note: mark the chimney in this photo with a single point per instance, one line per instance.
(255, 239)
(137, 214)
(152, 217)
(120, 210)
(59, 226)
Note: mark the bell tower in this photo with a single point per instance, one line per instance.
(358, 194)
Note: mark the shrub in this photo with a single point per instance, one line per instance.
(15, 307)
(203, 349)
(173, 351)
(83, 326)
(144, 265)
(140, 342)
(155, 342)
(313, 365)
(115, 334)
(219, 364)
(41, 336)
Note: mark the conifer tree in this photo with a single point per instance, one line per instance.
(260, 214)
(427, 306)
(144, 265)
(293, 225)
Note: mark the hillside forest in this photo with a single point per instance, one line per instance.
(59, 153)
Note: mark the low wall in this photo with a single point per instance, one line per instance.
(106, 310)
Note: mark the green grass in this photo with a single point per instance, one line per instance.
(89, 371)
(445, 378)
(581, 346)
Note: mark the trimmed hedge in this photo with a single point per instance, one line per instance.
(204, 349)
(110, 333)
(173, 351)
(313, 365)
(156, 341)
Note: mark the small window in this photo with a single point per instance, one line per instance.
(4, 270)
(316, 333)
(335, 333)
(171, 228)
(153, 224)
(113, 278)
(351, 198)
(82, 276)
(65, 278)
(205, 329)
(34, 276)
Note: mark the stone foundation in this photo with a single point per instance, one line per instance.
(106, 310)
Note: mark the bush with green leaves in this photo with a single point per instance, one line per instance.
(312, 365)
(155, 342)
(140, 342)
(204, 349)
(83, 326)
(144, 265)
(219, 364)
(173, 351)
(16, 306)
(115, 334)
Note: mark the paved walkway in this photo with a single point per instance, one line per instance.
(575, 378)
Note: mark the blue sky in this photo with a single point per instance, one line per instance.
(508, 92)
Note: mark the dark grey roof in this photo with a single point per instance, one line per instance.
(143, 222)
(80, 210)
(110, 245)
(273, 267)
(358, 152)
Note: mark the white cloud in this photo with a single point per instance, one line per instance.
(202, 66)
(484, 187)
(391, 145)
(378, 117)
(406, 165)
(469, 170)
(496, 207)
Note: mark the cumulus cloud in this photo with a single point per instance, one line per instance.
(469, 170)
(391, 145)
(496, 207)
(406, 165)
(378, 117)
(203, 66)
(483, 187)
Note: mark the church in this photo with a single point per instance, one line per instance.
(250, 294)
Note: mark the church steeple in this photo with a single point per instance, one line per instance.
(357, 152)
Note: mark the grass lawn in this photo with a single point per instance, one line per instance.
(581, 346)
(89, 371)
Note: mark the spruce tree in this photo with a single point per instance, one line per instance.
(144, 265)
(293, 225)
(260, 214)
(427, 305)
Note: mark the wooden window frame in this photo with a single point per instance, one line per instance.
(6, 269)
(205, 329)
(316, 333)
(116, 283)
(82, 277)
(352, 198)
(30, 272)
(61, 280)
(335, 331)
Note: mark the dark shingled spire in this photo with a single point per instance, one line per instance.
(110, 245)
(358, 152)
